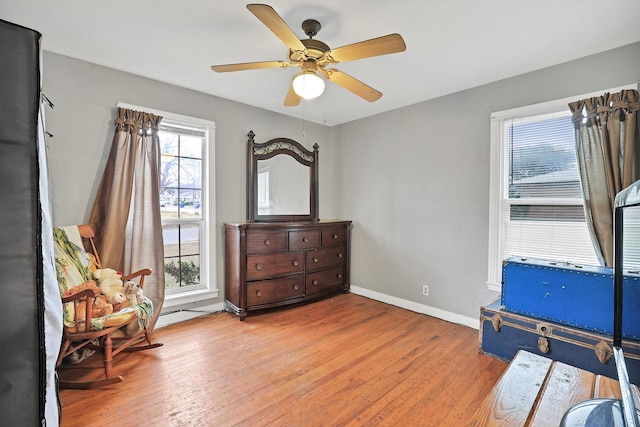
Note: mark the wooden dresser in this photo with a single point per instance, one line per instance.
(279, 263)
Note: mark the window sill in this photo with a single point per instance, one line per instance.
(190, 297)
(497, 287)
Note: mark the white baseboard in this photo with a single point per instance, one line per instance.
(417, 307)
(166, 319)
(170, 318)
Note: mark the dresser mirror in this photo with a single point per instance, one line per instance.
(282, 181)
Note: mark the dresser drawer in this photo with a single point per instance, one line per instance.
(321, 258)
(323, 280)
(268, 291)
(304, 239)
(264, 266)
(266, 241)
(332, 236)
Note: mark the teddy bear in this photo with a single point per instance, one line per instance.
(81, 287)
(133, 292)
(119, 301)
(109, 282)
(100, 306)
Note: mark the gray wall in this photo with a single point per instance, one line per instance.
(85, 97)
(416, 182)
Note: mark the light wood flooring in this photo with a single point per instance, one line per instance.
(342, 361)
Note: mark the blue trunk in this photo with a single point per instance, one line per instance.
(503, 333)
(579, 296)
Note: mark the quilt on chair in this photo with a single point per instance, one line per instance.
(74, 267)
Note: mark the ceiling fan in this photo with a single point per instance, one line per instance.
(312, 56)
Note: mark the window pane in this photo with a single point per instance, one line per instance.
(183, 272)
(542, 160)
(559, 241)
(190, 271)
(189, 205)
(168, 142)
(182, 255)
(189, 239)
(190, 146)
(631, 239)
(169, 186)
(171, 254)
(190, 173)
(168, 171)
(169, 203)
(170, 235)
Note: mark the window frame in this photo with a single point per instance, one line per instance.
(498, 175)
(208, 242)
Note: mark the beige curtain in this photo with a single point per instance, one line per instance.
(607, 139)
(126, 211)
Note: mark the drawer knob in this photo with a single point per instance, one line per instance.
(295, 263)
(258, 292)
(340, 255)
(339, 275)
(295, 287)
(335, 236)
(304, 239)
(314, 283)
(315, 259)
(267, 242)
(258, 266)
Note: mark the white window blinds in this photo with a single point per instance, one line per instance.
(543, 214)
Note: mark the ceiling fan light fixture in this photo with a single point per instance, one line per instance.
(308, 85)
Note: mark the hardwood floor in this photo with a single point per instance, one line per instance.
(343, 361)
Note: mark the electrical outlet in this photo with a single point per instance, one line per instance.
(425, 290)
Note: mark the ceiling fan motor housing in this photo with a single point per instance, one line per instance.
(315, 50)
(311, 27)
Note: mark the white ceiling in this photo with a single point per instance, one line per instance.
(452, 45)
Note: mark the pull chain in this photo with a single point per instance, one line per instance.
(303, 129)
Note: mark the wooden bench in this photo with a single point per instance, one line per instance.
(536, 391)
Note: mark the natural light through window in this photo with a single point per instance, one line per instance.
(536, 206)
(543, 214)
(181, 193)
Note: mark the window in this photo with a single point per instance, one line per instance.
(536, 207)
(187, 205)
(631, 238)
(263, 191)
(182, 149)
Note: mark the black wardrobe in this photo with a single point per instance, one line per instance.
(30, 310)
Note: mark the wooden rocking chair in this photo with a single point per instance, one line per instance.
(118, 332)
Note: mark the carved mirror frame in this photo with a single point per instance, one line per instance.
(276, 147)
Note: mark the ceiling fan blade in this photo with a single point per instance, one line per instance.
(276, 24)
(249, 66)
(352, 84)
(384, 45)
(292, 99)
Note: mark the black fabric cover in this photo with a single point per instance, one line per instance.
(21, 302)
